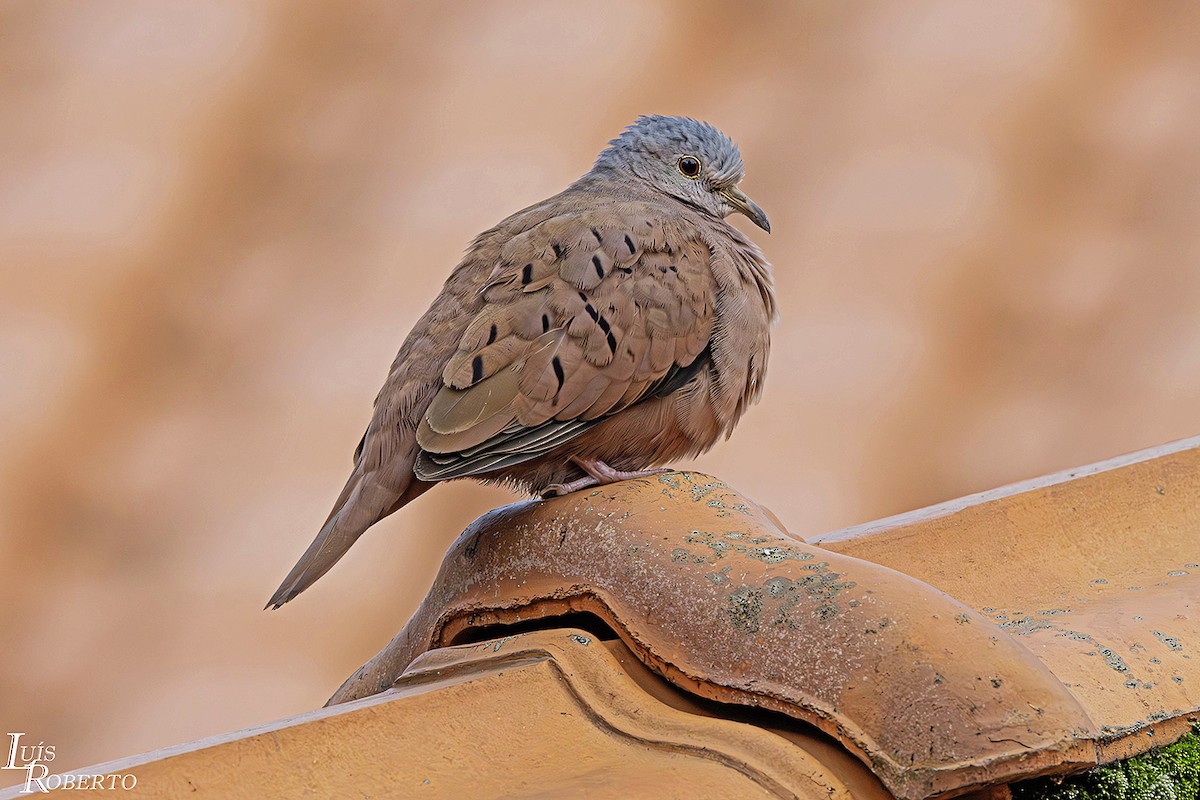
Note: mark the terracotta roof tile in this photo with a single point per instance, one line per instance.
(1036, 629)
(1095, 571)
(547, 714)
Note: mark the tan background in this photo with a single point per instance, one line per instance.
(219, 219)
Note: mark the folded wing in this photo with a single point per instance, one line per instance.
(581, 320)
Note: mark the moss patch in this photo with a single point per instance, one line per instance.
(1167, 773)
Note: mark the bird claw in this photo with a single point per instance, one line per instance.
(560, 489)
(598, 474)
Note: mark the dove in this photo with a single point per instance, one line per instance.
(591, 338)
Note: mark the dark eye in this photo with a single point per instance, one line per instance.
(689, 166)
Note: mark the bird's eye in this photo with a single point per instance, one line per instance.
(689, 166)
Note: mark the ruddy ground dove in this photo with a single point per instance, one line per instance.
(610, 329)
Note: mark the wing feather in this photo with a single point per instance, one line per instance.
(584, 315)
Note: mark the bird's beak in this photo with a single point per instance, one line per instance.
(737, 198)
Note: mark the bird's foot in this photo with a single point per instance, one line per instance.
(598, 474)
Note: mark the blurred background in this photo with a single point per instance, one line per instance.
(218, 220)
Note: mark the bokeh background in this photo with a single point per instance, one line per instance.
(219, 219)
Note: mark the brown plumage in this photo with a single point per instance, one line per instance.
(612, 328)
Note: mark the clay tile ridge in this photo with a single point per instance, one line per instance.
(1033, 629)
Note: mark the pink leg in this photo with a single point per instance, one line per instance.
(598, 474)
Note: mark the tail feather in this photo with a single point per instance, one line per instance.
(362, 503)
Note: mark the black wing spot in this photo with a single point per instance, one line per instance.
(629, 244)
(596, 233)
(592, 312)
(557, 249)
(607, 328)
(545, 323)
(526, 274)
(492, 334)
(599, 267)
(559, 374)
(476, 369)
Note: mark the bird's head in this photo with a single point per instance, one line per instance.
(687, 159)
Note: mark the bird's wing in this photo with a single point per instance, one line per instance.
(586, 314)
(382, 480)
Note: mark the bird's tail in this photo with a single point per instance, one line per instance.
(363, 502)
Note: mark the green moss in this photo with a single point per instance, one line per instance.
(1167, 773)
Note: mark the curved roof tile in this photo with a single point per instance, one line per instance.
(705, 588)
